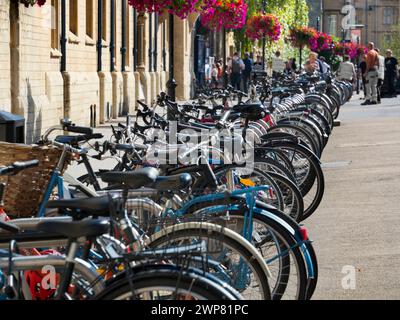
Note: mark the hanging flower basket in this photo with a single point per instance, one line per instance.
(263, 26)
(300, 36)
(230, 14)
(180, 8)
(320, 42)
(149, 6)
(28, 3)
(348, 48)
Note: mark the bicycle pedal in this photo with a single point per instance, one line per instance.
(10, 292)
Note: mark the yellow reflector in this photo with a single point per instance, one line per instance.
(247, 182)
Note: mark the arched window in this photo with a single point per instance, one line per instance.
(89, 19)
(73, 16)
(55, 25)
(104, 22)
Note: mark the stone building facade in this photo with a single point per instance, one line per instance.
(373, 19)
(104, 68)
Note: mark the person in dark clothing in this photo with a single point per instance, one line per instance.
(294, 66)
(236, 67)
(362, 69)
(391, 72)
(248, 68)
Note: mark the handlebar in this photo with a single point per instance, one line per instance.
(68, 147)
(18, 166)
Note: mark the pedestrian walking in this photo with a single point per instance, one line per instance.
(346, 70)
(278, 65)
(362, 69)
(214, 76)
(391, 64)
(294, 64)
(248, 69)
(258, 64)
(291, 66)
(237, 66)
(227, 72)
(312, 64)
(381, 75)
(371, 75)
(325, 67)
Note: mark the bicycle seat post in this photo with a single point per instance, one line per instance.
(2, 193)
(66, 278)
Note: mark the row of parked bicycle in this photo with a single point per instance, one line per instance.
(206, 207)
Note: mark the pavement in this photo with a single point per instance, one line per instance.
(356, 230)
(357, 227)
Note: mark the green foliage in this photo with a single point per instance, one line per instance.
(288, 12)
(394, 42)
(332, 59)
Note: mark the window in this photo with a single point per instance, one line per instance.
(388, 15)
(89, 18)
(115, 34)
(387, 38)
(55, 31)
(332, 25)
(73, 16)
(127, 37)
(104, 22)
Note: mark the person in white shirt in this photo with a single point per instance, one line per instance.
(278, 65)
(347, 71)
(381, 74)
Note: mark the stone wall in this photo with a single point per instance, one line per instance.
(5, 93)
(38, 83)
(32, 85)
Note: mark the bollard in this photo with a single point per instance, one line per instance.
(94, 116)
(91, 116)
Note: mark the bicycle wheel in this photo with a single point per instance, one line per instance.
(308, 174)
(164, 284)
(248, 177)
(277, 243)
(292, 199)
(299, 132)
(231, 258)
(288, 273)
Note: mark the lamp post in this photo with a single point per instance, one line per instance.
(171, 84)
(263, 41)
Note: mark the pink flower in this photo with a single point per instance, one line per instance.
(230, 14)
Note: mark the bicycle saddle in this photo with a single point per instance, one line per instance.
(75, 229)
(131, 179)
(97, 206)
(174, 182)
(251, 111)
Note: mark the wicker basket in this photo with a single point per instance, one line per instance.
(25, 190)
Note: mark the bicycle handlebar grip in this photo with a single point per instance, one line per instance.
(142, 104)
(96, 136)
(225, 117)
(123, 147)
(9, 227)
(25, 165)
(77, 129)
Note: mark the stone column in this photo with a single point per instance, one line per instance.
(15, 58)
(143, 56)
(142, 48)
